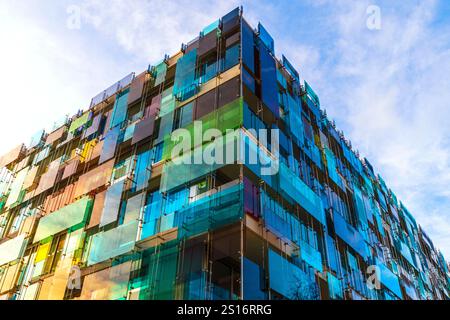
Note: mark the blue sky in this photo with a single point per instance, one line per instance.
(387, 89)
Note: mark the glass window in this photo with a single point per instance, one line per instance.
(70, 216)
(112, 203)
(109, 144)
(119, 113)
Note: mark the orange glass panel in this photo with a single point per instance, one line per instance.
(70, 168)
(31, 176)
(55, 135)
(48, 179)
(108, 284)
(11, 156)
(94, 179)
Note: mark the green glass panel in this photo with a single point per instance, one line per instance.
(72, 216)
(192, 165)
(312, 94)
(213, 26)
(78, 122)
(230, 116)
(167, 102)
(160, 71)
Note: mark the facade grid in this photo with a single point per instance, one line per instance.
(99, 208)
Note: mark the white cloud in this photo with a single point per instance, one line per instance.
(150, 29)
(391, 96)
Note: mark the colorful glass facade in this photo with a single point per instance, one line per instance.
(99, 208)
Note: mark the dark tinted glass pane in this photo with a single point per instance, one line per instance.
(136, 88)
(248, 51)
(229, 91)
(269, 89)
(207, 43)
(230, 20)
(248, 80)
(143, 129)
(205, 104)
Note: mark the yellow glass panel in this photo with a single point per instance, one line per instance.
(42, 252)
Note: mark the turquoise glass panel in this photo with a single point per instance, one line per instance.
(152, 213)
(185, 84)
(211, 212)
(112, 243)
(301, 193)
(143, 170)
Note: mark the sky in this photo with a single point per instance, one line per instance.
(380, 68)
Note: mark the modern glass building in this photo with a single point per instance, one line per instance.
(103, 208)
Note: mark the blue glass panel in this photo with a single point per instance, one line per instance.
(295, 120)
(231, 57)
(142, 171)
(211, 212)
(152, 212)
(389, 279)
(265, 38)
(288, 66)
(335, 287)
(289, 280)
(301, 193)
(109, 144)
(351, 236)
(248, 51)
(332, 254)
(252, 280)
(248, 80)
(311, 256)
(269, 86)
(119, 113)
